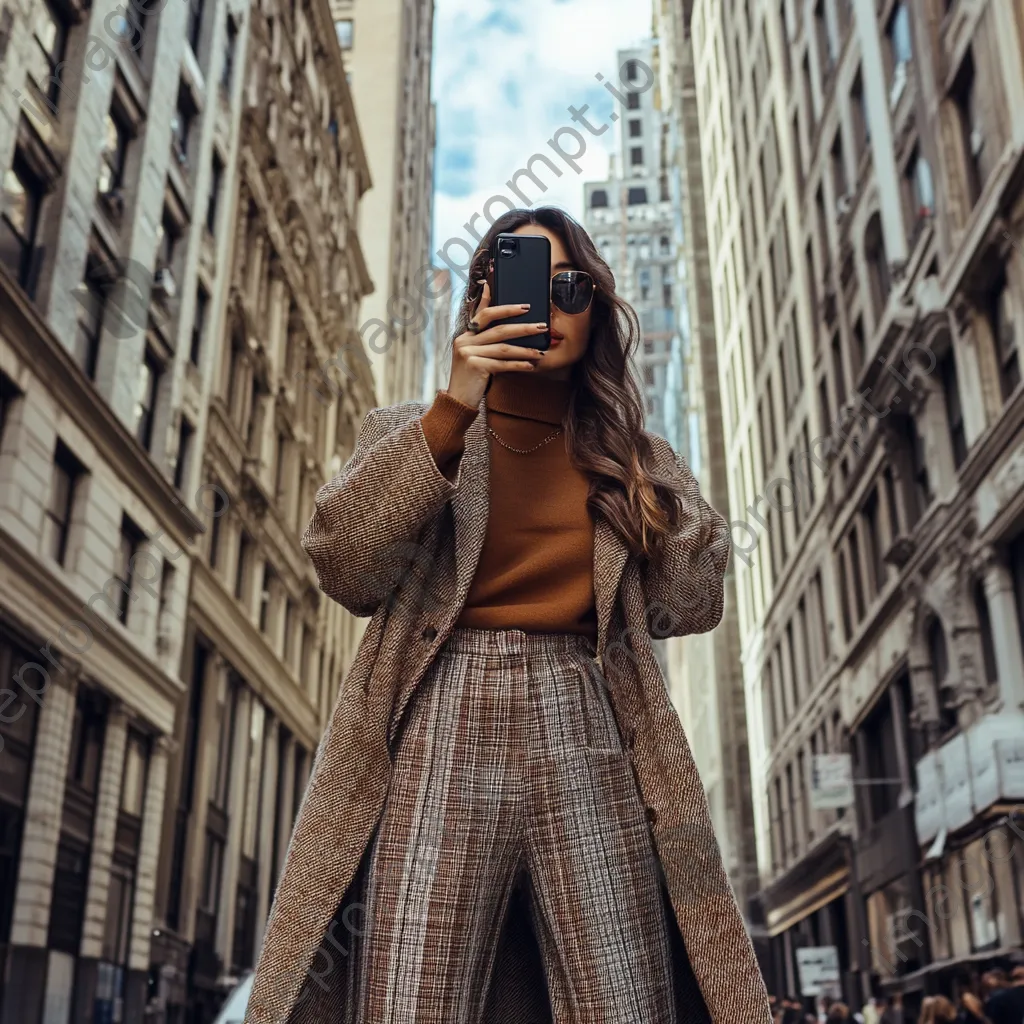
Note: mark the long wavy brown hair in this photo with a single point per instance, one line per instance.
(604, 424)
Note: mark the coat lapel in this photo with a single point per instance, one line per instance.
(470, 508)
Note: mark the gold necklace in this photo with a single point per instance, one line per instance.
(524, 451)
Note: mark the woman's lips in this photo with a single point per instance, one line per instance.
(555, 338)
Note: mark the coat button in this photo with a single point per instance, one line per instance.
(651, 814)
(429, 633)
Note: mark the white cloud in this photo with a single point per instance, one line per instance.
(504, 77)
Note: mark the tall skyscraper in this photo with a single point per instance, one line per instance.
(630, 218)
(705, 672)
(869, 341)
(388, 45)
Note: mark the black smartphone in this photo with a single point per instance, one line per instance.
(522, 273)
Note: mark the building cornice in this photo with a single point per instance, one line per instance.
(28, 333)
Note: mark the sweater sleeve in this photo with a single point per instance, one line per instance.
(444, 426)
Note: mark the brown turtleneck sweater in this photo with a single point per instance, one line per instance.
(536, 569)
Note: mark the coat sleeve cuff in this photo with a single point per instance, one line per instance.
(444, 426)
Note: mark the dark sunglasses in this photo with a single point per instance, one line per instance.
(572, 291)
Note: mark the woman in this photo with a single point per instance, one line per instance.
(971, 1010)
(505, 791)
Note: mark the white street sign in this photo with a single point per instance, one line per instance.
(831, 781)
(818, 967)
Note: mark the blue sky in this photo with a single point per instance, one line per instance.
(504, 77)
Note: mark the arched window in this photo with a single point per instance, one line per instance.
(878, 265)
(599, 197)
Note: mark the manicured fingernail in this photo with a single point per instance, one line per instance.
(482, 280)
(524, 305)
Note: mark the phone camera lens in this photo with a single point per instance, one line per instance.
(507, 247)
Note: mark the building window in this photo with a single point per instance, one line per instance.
(636, 127)
(954, 411)
(636, 196)
(66, 473)
(46, 52)
(967, 99)
(636, 156)
(598, 198)
(214, 551)
(266, 596)
(824, 39)
(919, 188)
(632, 100)
(181, 125)
(216, 173)
(9, 393)
(92, 302)
(183, 459)
(343, 28)
(87, 732)
(19, 221)
(120, 899)
(133, 783)
(645, 283)
(839, 180)
(289, 633)
(919, 469)
(878, 266)
(198, 325)
(901, 51)
(129, 544)
(242, 563)
(67, 902)
(131, 30)
(988, 649)
(1003, 317)
(228, 69)
(115, 152)
(939, 657)
(145, 401)
(873, 543)
(225, 745)
(194, 24)
(859, 117)
(167, 238)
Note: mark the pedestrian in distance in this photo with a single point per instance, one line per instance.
(505, 820)
(838, 1013)
(893, 1012)
(971, 1010)
(1005, 1002)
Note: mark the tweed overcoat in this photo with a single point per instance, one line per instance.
(393, 538)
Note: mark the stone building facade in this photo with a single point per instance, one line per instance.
(630, 218)
(863, 170)
(388, 50)
(114, 141)
(154, 258)
(705, 672)
(264, 650)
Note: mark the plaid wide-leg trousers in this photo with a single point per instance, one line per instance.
(510, 760)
